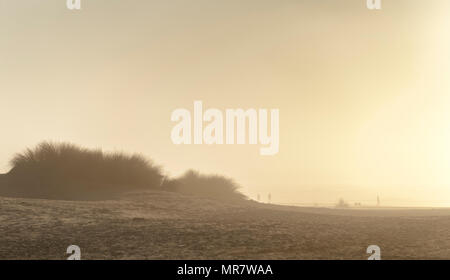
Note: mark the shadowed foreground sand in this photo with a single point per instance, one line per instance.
(161, 225)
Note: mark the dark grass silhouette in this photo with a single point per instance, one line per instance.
(207, 186)
(67, 172)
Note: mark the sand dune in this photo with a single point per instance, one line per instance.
(162, 225)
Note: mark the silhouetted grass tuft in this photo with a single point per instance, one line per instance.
(65, 171)
(208, 186)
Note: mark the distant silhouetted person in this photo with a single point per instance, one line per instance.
(269, 198)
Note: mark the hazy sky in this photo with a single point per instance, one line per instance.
(364, 96)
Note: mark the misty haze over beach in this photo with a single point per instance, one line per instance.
(120, 206)
(363, 107)
(225, 129)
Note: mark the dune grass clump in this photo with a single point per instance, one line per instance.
(65, 171)
(207, 186)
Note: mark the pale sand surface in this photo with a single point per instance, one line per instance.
(161, 225)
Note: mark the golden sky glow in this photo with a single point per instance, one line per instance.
(364, 96)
